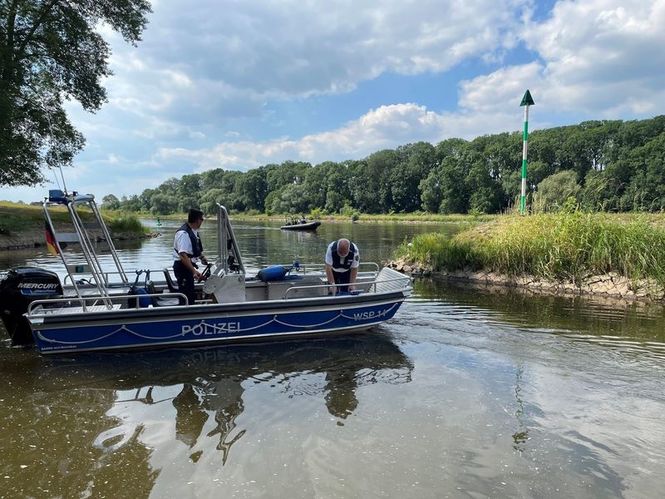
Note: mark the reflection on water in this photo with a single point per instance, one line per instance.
(592, 315)
(110, 407)
(467, 392)
(631, 332)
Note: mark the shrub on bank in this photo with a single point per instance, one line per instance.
(126, 223)
(566, 246)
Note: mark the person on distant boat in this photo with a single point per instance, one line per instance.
(342, 261)
(187, 252)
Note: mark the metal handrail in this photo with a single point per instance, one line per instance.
(99, 277)
(86, 244)
(106, 274)
(318, 267)
(109, 241)
(61, 254)
(82, 300)
(370, 284)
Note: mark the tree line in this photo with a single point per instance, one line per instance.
(597, 165)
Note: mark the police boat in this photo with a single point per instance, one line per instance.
(95, 308)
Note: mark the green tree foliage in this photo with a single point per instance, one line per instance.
(255, 189)
(188, 191)
(444, 190)
(338, 191)
(600, 165)
(370, 188)
(163, 204)
(210, 199)
(289, 172)
(415, 163)
(315, 185)
(555, 191)
(289, 199)
(646, 190)
(50, 51)
(110, 202)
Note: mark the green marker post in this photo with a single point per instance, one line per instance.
(526, 102)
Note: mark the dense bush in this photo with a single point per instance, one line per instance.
(126, 223)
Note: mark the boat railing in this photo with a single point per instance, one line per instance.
(83, 237)
(305, 268)
(105, 275)
(380, 285)
(97, 303)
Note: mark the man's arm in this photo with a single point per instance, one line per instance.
(330, 276)
(354, 268)
(187, 262)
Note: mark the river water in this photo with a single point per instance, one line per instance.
(465, 393)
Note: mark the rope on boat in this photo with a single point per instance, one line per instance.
(213, 327)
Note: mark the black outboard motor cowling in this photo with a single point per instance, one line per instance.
(21, 287)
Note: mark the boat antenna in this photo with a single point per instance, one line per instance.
(50, 129)
(55, 176)
(64, 186)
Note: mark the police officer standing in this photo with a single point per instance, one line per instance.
(342, 261)
(187, 251)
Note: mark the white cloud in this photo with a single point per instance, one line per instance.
(499, 90)
(212, 60)
(602, 57)
(385, 127)
(596, 58)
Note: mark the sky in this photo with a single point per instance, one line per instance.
(236, 84)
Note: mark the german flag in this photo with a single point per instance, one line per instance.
(51, 243)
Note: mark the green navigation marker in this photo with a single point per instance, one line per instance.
(527, 101)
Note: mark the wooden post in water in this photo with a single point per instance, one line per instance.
(526, 102)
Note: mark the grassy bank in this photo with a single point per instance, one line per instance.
(567, 247)
(23, 225)
(18, 218)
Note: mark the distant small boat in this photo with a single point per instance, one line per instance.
(301, 225)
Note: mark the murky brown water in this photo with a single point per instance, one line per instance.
(466, 393)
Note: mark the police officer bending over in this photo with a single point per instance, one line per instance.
(342, 261)
(187, 252)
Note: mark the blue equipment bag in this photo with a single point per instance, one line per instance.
(273, 273)
(141, 292)
(141, 296)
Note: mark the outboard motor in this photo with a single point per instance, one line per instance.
(21, 287)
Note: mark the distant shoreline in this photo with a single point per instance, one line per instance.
(22, 226)
(36, 239)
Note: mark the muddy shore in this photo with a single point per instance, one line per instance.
(613, 286)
